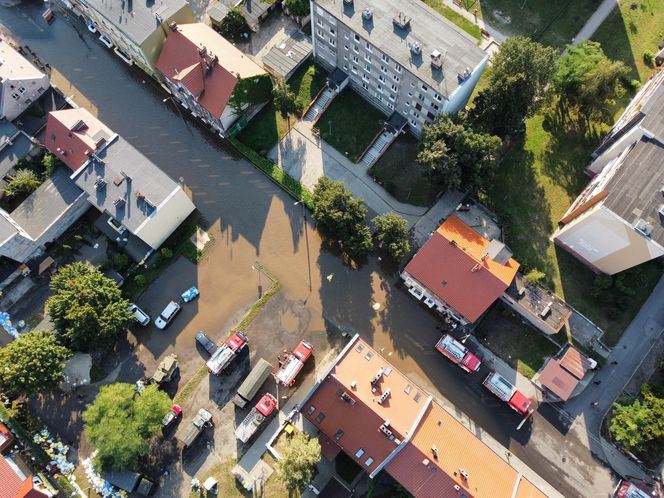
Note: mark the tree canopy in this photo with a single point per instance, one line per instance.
(32, 363)
(456, 155)
(297, 8)
(233, 24)
(587, 80)
(518, 86)
(285, 100)
(639, 424)
(299, 457)
(341, 216)
(22, 182)
(392, 233)
(87, 308)
(120, 422)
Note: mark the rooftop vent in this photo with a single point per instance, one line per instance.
(402, 21)
(384, 396)
(173, 25)
(425, 462)
(202, 51)
(119, 202)
(367, 14)
(386, 431)
(376, 378)
(353, 385)
(347, 398)
(437, 59)
(78, 125)
(643, 227)
(463, 473)
(348, 2)
(465, 75)
(416, 48)
(100, 183)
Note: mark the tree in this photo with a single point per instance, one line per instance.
(534, 276)
(392, 232)
(233, 24)
(23, 182)
(299, 457)
(251, 91)
(518, 86)
(87, 308)
(297, 8)
(456, 155)
(640, 423)
(285, 100)
(586, 79)
(32, 363)
(341, 216)
(120, 423)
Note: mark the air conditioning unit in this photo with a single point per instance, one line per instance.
(402, 21)
(416, 48)
(384, 396)
(436, 59)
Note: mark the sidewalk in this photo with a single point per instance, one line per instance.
(306, 158)
(594, 22)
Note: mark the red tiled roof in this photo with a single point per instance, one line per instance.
(557, 380)
(450, 265)
(11, 484)
(71, 133)
(575, 363)
(182, 60)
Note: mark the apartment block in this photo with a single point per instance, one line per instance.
(401, 56)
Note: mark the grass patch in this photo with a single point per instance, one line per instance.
(552, 23)
(278, 175)
(628, 33)
(519, 345)
(269, 126)
(349, 124)
(201, 373)
(468, 26)
(536, 182)
(401, 176)
(346, 468)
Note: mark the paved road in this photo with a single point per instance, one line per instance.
(252, 219)
(595, 21)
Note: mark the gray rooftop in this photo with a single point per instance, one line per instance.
(654, 114)
(136, 18)
(7, 132)
(10, 154)
(635, 188)
(46, 204)
(427, 27)
(143, 187)
(288, 54)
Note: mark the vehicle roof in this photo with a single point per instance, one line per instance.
(170, 307)
(267, 404)
(237, 340)
(520, 402)
(303, 351)
(501, 385)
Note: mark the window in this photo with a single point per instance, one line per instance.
(437, 97)
(379, 97)
(367, 58)
(394, 88)
(333, 21)
(346, 58)
(418, 106)
(416, 114)
(431, 116)
(355, 59)
(424, 88)
(383, 68)
(356, 37)
(365, 86)
(390, 106)
(354, 69)
(396, 78)
(320, 418)
(345, 67)
(414, 125)
(365, 78)
(339, 435)
(346, 47)
(420, 96)
(359, 453)
(332, 31)
(311, 410)
(407, 104)
(393, 97)
(15, 96)
(368, 461)
(368, 46)
(356, 49)
(381, 78)
(435, 107)
(379, 88)
(418, 395)
(320, 23)
(319, 32)
(345, 36)
(367, 68)
(386, 58)
(21, 90)
(368, 356)
(332, 41)
(397, 68)
(408, 389)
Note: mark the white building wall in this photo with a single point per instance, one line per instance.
(460, 96)
(19, 93)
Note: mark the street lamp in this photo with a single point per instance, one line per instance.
(306, 237)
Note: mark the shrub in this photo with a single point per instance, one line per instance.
(140, 280)
(649, 58)
(24, 181)
(119, 261)
(166, 253)
(534, 276)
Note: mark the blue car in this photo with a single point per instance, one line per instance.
(190, 294)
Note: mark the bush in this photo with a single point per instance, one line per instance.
(140, 280)
(649, 58)
(23, 182)
(119, 261)
(534, 276)
(166, 253)
(234, 24)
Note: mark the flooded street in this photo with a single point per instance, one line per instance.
(252, 220)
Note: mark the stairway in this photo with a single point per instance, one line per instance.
(377, 148)
(320, 104)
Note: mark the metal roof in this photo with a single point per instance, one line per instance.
(287, 56)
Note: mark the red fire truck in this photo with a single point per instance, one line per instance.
(458, 353)
(226, 353)
(500, 386)
(292, 365)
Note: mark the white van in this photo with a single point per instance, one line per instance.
(167, 315)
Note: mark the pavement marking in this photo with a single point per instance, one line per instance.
(204, 165)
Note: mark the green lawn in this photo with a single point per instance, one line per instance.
(627, 33)
(401, 176)
(519, 345)
(269, 126)
(468, 26)
(552, 23)
(349, 124)
(535, 184)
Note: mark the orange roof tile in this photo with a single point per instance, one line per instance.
(558, 380)
(73, 134)
(182, 61)
(575, 362)
(453, 266)
(414, 465)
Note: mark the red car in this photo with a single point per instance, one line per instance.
(171, 416)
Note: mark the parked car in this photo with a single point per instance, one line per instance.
(206, 343)
(91, 26)
(171, 416)
(190, 294)
(167, 315)
(139, 315)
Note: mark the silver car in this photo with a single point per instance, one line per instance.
(167, 315)
(139, 315)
